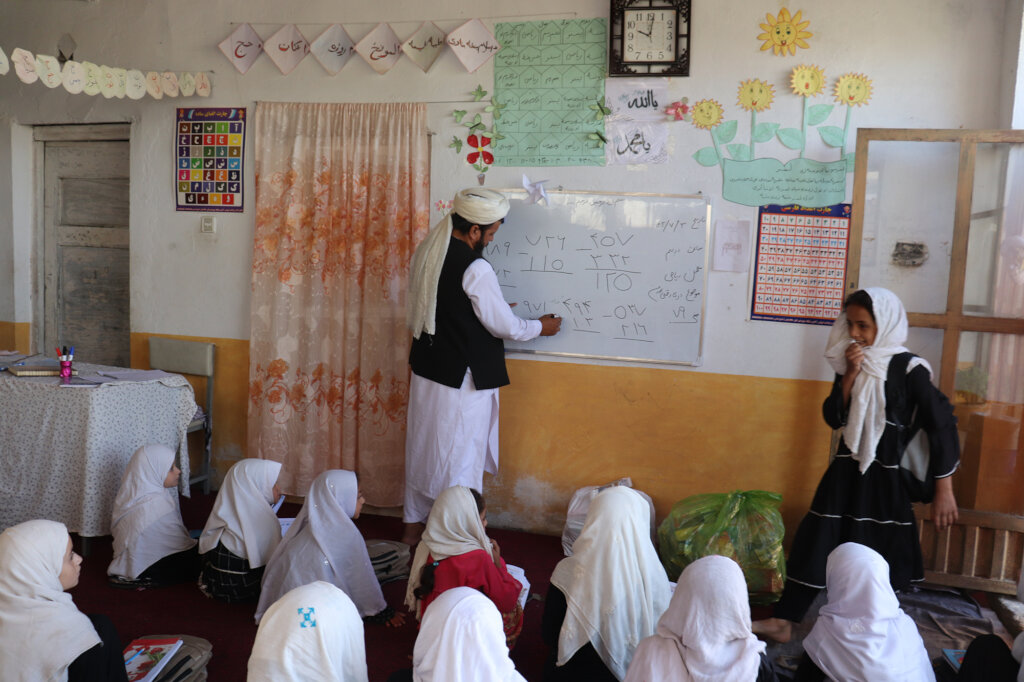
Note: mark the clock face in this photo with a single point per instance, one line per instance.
(649, 35)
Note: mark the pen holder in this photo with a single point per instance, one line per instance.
(65, 371)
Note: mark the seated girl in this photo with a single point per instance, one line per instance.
(608, 595)
(152, 547)
(705, 633)
(241, 533)
(311, 633)
(455, 551)
(323, 544)
(862, 634)
(43, 636)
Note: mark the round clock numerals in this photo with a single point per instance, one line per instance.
(649, 38)
(649, 35)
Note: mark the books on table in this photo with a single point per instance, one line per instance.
(145, 657)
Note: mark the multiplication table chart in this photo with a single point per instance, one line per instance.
(211, 153)
(800, 263)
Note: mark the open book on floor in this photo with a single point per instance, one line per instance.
(145, 657)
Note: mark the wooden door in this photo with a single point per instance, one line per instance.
(86, 248)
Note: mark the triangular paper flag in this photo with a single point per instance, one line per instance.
(381, 48)
(48, 69)
(286, 48)
(24, 65)
(424, 46)
(333, 48)
(473, 44)
(135, 84)
(73, 77)
(242, 47)
(187, 84)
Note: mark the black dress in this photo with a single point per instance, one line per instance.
(872, 508)
(228, 577)
(103, 662)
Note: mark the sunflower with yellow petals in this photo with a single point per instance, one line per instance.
(755, 95)
(807, 80)
(707, 113)
(853, 89)
(785, 33)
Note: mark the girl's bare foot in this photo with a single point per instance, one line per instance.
(776, 629)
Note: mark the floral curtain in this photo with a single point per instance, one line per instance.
(342, 198)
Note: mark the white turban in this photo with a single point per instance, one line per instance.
(477, 205)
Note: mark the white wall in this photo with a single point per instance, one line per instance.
(934, 63)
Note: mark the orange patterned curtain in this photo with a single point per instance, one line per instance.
(342, 198)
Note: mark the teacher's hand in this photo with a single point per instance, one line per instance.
(549, 325)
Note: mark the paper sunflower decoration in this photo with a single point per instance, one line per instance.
(853, 89)
(755, 95)
(707, 114)
(807, 80)
(785, 33)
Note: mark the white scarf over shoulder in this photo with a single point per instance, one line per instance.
(862, 634)
(462, 639)
(866, 419)
(146, 521)
(453, 529)
(41, 630)
(311, 633)
(614, 584)
(479, 206)
(704, 636)
(324, 530)
(242, 517)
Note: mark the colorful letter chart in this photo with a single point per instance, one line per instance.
(800, 263)
(211, 157)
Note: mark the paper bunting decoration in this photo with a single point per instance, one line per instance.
(242, 47)
(24, 65)
(187, 84)
(203, 87)
(135, 84)
(108, 82)
(92, 79)
(424, 46)
(333, 48)
(5, 65)
(286, 48)
(48, 69)
(473, 44)
(381, 48)
(169, 83)
(122, 82)
(534, 191)
(153, 86)
(72, 76)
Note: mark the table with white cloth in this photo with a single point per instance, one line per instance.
(64, 449)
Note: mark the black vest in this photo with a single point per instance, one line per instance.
(460, 340)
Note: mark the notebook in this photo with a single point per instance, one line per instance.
(954, 657)
(145, 657)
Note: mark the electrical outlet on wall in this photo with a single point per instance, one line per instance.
(208, 224)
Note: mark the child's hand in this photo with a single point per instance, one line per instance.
(854, 357)
(397, 620)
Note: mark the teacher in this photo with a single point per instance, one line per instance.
(458, 319)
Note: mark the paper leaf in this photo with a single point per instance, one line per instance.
(458, 114)
(818, 113)
(831, 135)
(706, 156)
(494, 109)
(740, 152)
(764, 132)
(456, 144)
(850, 162)
(725, 132)
(791, 137)
(479, 93)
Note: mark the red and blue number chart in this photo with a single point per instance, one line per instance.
(211, 158)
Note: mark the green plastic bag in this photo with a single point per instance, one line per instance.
(743, 525)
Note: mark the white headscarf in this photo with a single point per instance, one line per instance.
(1018, 643)
(614, 584)
(704, 636)
(866, 419)
(479, 206)
(241, 517)
(453, 528)
(862, 634)
(312, 633)
(146, 521)
(461, 639)
(41, 630)
(323, 544)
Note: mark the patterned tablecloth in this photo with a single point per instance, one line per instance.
(63, 449)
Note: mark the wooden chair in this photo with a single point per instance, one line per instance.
(195, 358)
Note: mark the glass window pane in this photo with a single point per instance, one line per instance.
(909, 207)
(927, 343)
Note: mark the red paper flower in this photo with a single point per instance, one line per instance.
(479, 142)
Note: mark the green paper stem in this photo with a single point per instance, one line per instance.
(753, 124)
(803, 128)
(846, 128)
(718, 151)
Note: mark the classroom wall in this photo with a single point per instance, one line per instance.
(746, 417)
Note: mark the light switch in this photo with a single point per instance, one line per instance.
(208, 224)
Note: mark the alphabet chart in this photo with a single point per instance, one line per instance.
(800, 263)
(211, 158)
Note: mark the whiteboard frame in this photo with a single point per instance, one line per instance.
(703, 299)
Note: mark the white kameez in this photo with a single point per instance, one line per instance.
(452, 434)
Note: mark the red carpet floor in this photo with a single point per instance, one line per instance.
(230, 627)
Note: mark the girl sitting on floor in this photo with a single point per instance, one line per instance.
(311, 633)
(241, 533)
(43, 636)
(323, 544)
(152, 547)
(608, 595)
(455, 551)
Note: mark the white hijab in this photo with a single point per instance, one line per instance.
(866, 419)
(704, 636)
(1018, 643)
(479, 206)
(614, 584)
(41, 630)
(461, 639)
(311, 633)
(146, 521)
(323, 544)
(242, 518)
(862, 634)
(453, 528)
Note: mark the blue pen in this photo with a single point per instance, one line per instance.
(132, 657)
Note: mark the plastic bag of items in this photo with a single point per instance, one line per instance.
(580, 504)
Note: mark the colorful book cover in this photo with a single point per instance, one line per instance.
(145, 657)
(954, 657)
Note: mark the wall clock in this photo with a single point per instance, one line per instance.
(649, 38)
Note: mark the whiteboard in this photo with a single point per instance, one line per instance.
(626, 272)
